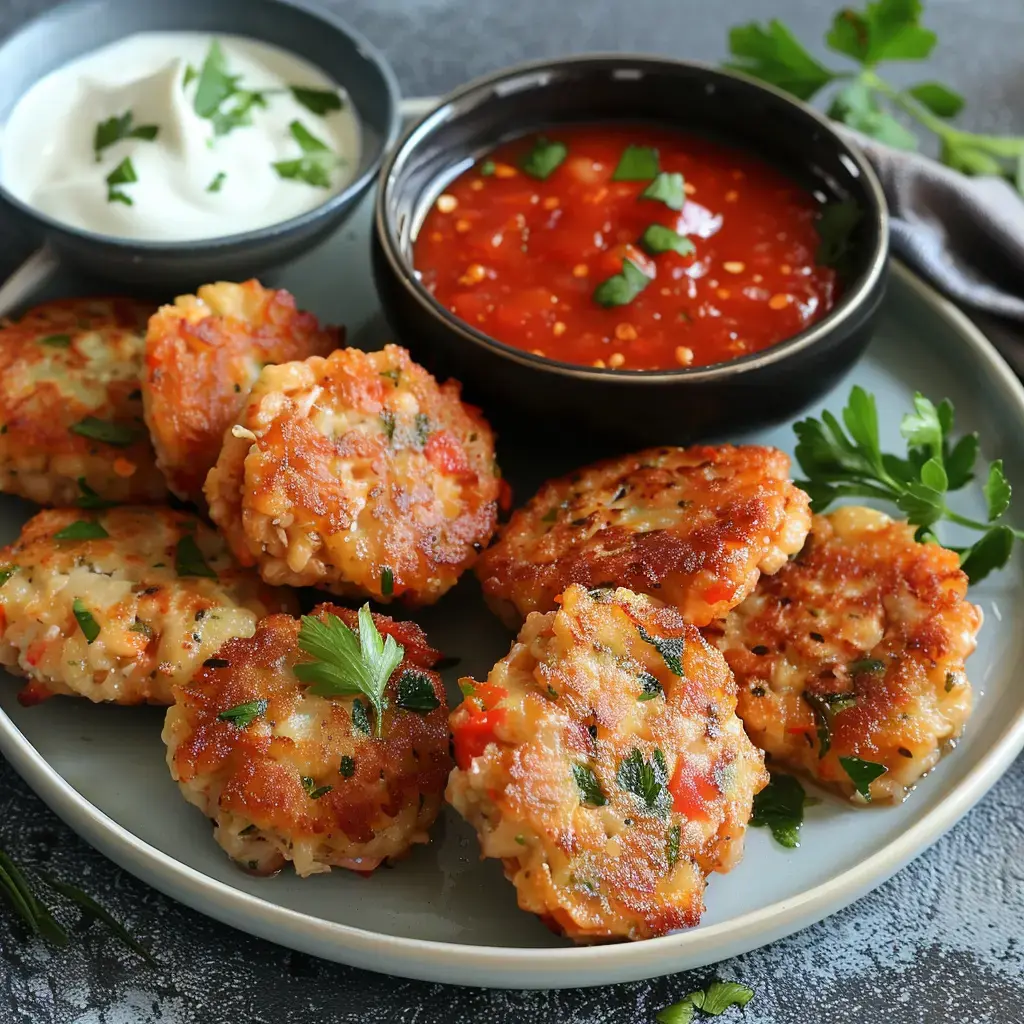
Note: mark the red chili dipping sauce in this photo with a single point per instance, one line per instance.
(633, 248)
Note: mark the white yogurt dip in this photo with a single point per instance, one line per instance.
(177, 136)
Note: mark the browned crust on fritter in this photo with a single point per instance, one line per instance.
(693, 527)
(202, 356)
(862, 590)
(257, 774)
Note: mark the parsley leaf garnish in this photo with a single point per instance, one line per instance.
(544, 159)
(83, 529)
(348, 662)
(313, 791)
(672, 845)
(243, 715)
(347, 768)
(89, 626)
(56, 340)
(713, 1001)
(217, 183)
(316, 163)
(122, 174)
(637, 163)
(621, 289)
(119, 435)
(360, 717)
(318, 101)
(862, 773)
(387, 581)
(89, 498)
(865, 665)
(668, 189)
(825, 706)
(651, 687)
(114, 129)
(780, 807)
(215, 84)
(589, 786)
(647, 780)
(189, 560)
(845, 459)
(7, 571)
(416, 692)
(670, 648)
(657, 238)
(884, 30)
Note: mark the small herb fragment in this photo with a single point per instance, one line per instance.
(637, 163)
(657, 239)
(416, 693)
(360, 717)
(114, 129)
(647, 780)
(89, 626)
(189, 560)
(670, 648)
(348, 766)
(862, 774)
(672, 845)
(780, 807)
(7, 571)
(825, 706)
(122, 174)
(487, 168)
(621, 289)
(217, 184)
(83, 529)
(348, 662)
(865, 665)
(316, 163)
(544, 159)
(216, 663)
(243, 715)
(668, 189)
(713, 1001)
(117, 434)
(387, 581)
(313, 791)
(651, 687)
(89, 498)
(36, 915)
(56, 340)
(318, 101)
(589, 786)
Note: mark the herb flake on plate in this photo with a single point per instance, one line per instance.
(120, 435)
(243, 715)
(416, 692)
(780, 807)
(86, 622)
(82, 529)
(589, 786)
(862, 773)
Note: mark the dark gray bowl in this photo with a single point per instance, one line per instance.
(73, 29)
(650, 407)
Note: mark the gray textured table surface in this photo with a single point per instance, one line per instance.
(942, 942)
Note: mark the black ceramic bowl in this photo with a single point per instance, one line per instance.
(635, 406)
(73, 29)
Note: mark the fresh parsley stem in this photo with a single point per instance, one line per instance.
(955, 517)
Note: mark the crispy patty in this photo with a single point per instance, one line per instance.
(856, 649)
(357, 473)
(129, 603)
(603, 763)
(693, 527)
(303, 778)
(203, 354)
(71, 426)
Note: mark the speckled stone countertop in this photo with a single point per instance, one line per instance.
(940, 943)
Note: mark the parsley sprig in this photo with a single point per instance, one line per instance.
(712, 1001)
(348, 662)
(844, 463)
(316, 163)
(885, 30)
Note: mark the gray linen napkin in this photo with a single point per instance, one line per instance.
(964, 234)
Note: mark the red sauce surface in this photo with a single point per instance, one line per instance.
(519, 258)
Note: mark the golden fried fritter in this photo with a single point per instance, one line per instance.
(203, 354)
(603, 763)
(357, 473)
(855, 649)
(298, 777)
(120, 605)
(71, 424)
(693, 527)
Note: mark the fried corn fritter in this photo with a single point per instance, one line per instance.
(71, 426)
(121, 604)
(358, 473)
(603, 763)
(693, 527)
(302, 778)
(203, 354)
(856, 649)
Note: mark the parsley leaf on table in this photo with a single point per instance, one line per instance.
(713, 1001)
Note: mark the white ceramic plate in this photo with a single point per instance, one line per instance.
(445, 916)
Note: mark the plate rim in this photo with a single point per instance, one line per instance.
(528, 967)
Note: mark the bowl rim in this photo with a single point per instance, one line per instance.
(848, 307)
(204, 246)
